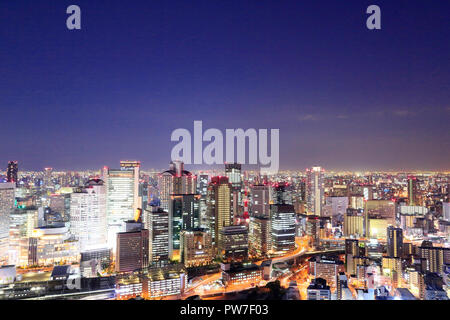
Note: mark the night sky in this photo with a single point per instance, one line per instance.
(343, 96)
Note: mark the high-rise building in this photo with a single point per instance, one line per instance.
(88, 222)
(260, 201)
(132, 247)
(219, 206)
(122, 200)
(176, 180)
(196, 247)
(22, 223)
(259, 236)
(183, 215)
(354, 223)
(157, 222)
(233, 244)
(434, 256)
(394, 242)
(233, 172)
(413, 196)
(12, 172)
(282, 225)
(315, 190)
(7, 195)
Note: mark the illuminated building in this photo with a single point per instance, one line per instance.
(176, 180)
(22, 224)
(354, 223)
(377, 228)
(130, 286)
(52, 246)
(260, 201)
(239, 274)
(132, 247)
(166, 281)
(6, 208)
(315, 190)
(282, 226)
(282, 194)
(152, 283)
(219, 206)
(11, 172)
(157, 222)
(378, 215)
(202, 189)
(233, 243)
(183, 215)
(327, 268)
(392, 267)
(435, 257)
(312, 230)
(342, 290)
(88, 222)
(259, 236)
(413, 196)
(122, 198)
(196, 247)
(318, 290)
(394, 242)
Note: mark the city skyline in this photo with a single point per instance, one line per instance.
(344, 97)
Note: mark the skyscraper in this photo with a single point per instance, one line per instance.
(157, 222)
(315, 190)
(260, 201)
(132, 247)
(183, 215)
(176, 180)
(394, 242)
(233, 172)
(122, 199)
(219, 206)
(6, 207)
(259, 236)
(413, 196)
(88, 222)
(282, 222)
(12, 172)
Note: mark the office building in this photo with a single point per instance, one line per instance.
(315, 190)
(196, 247)
(183, 215)
(233, 243)
(394, 242)
(157, 222)
(219, 206)
(132, 247)
(259, 236)
(122, 190)
(260, 201)
(6, 208)
(88, 221)
(282, 226)
(176, 180)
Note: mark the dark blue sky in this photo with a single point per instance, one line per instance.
(343, 96)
